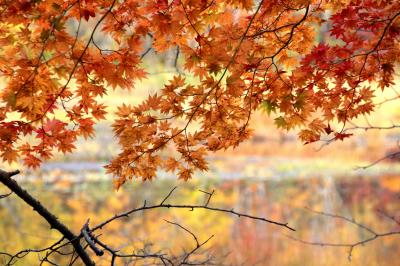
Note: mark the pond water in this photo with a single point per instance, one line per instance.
(369, 200)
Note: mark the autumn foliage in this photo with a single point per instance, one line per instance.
(244, 55)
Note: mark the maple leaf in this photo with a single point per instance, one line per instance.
(268, 106)
(281, 122)
(54, 126)
(171, 164)
(308, 136)
(238, 56)
(86, 127)
(9, 156)
(213, 143)
(98, 111)
(87, 14)
(328, 130)
(185, 173)
(342, 136)
(317, 125)
(32, 161)
(153, 102)
(66, 145)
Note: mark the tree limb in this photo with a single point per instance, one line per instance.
(52, 220)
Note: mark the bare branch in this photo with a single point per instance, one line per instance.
(389, 156)
(52, 220)
(187, 230)
(23, 253)
(391, 217)
(169, 194)
(209, 196)
(184, 261)
(189, 207)
(5, 195)
(350, 246)
(349, 220)
(92, 241)
(89, 239)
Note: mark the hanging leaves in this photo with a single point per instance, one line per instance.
(244, 56)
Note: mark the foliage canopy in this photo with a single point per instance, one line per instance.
(243, 54)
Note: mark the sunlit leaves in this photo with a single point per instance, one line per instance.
(243, 56)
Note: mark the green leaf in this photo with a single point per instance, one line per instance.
(300, 101)
(268, 106)
(11, 99)
(280, 122)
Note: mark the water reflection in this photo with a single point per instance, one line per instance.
(236, 241)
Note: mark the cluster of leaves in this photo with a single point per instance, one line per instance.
(243, 54)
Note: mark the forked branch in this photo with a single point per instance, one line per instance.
(373, 234)
(52, 220)
(98, 246)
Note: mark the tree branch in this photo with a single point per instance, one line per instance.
(5, 195)
(162, 205)
(90, 239)
(52, 220)
(350, 246)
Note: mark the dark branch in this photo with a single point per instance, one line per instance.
(5, 178)
(188, 207)
(350, 246)
(187, 230)
(209, 196)
(93, 241)
(169, 194)
(90, 239)
(5, 195)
